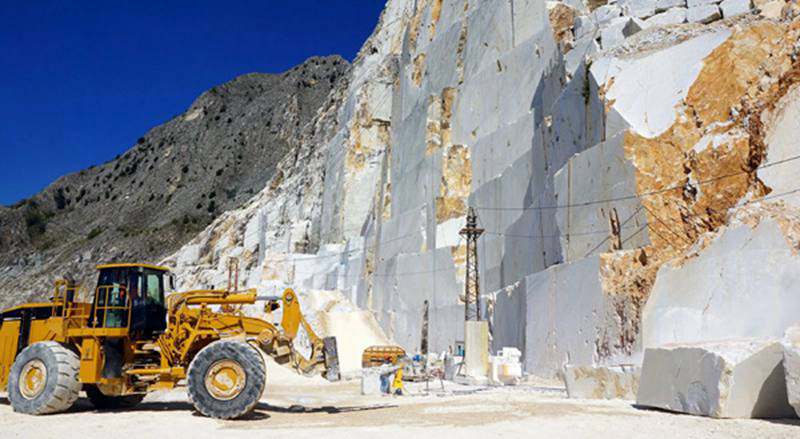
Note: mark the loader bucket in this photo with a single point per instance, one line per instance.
(331, 355)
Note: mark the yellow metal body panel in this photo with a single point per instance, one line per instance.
(291, 314)
(91, 360)
(132, 265)
(51, 329)
(9, 334)
(97, 332)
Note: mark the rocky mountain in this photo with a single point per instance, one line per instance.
(176, 179)
(630, 162)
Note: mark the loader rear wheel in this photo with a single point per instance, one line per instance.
(44, 379)
(102, 401)
(226, 379)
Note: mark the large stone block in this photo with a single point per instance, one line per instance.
(782, 125)
(476, 349)
(489, 35)
(529, 18)
(791, 364)
(602, 382)
(583, 26)
(728, 379)
(522, 72)
(606, 13)
(734, 7)
(663, 5)
(599, 173)
(672, 16)
(703, 14)
(492, 154)
(617, 30)
(773, 9)
(726, 291)
(638, 8)
(441, 68)
(401, 289)
(569, 319)
(509, 317)
(585, 47)
(646, 92)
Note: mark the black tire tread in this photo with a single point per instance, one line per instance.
(58, 360)
(250, 360)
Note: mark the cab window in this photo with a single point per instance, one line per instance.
(154, 287)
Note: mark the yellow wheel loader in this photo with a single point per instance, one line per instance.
(130, 340)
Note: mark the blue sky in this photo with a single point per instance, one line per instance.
(80, 81)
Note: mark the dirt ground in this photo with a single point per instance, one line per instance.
(315, 410)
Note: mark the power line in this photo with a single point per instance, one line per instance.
(621, 226)
(651, 228)
(454, 269)
(658, 218)
(633, 235)
(359, 275)
(638, 196)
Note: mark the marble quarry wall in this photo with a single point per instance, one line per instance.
(626, 161)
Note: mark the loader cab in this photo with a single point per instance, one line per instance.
(131, 296)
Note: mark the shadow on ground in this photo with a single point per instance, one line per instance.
(261, 411)
(331, 410)
(783, 421)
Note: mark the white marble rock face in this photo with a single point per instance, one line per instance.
(728, 379)
(791, 363)
(714, 295)
(474, 104)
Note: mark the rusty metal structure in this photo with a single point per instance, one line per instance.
(471, 232)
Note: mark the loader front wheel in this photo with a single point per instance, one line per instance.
(101, 401)
(226, 379)
(44, 379)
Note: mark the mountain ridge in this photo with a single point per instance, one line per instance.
(176, 178)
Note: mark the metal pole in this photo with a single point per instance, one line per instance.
(472, 305)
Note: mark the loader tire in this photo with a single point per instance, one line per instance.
(44, 379)
(102, 401)
(226, 379)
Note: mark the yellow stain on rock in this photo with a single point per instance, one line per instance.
(436, 14)
(438, 131)
(418, 69)
(711, 176)
(691, 176)
(455, 184)
(562, 18)
(731, 69)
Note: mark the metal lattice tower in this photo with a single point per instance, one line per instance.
(472, 296)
